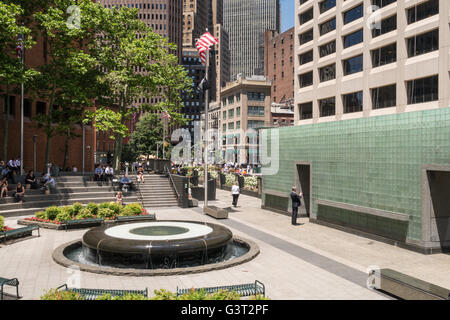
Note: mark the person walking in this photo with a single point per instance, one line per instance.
(235, 192)
(296, 202)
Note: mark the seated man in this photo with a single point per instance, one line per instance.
(109, 172)
(50, 185)
(98, 174)
(125, 181)
(6, 173)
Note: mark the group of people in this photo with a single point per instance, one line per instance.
(239, 169)
(103, 173)
(10, 169)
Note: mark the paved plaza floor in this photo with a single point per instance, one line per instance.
(307, 261)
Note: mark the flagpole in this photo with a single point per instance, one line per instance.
(206, 128)
(22, 106)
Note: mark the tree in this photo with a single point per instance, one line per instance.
(136, 63)
(149, 132)
(67, 76)
(12, 72)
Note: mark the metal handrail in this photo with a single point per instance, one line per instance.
(172, 182)
(140, 198)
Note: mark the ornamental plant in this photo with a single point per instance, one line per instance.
(106, 213)
(54, 294)
(84, 214)
(114, 207)
(250, 182)
(229, 179)
(64, 215)
(41, 215)
(2, 223)
(52, 212)
(77, 208)
(132, 209)
(93, 208)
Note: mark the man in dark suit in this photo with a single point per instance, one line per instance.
(296, 202)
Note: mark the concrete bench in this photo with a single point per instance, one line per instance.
(93, 294)
(136, 218)
(244, 290)
(9, 282)
(20, 232)
(82, 222)
(407, 287)
(215, 212)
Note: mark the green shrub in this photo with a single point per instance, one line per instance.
(2, 222)
(115, 207)
(104, 205)
(54, 294)
(84, 214)
(68, 210)
(41, 215)
(63, 216)
(196, 295)
(52, 212)
(93, 208)
(77, 208)
(230, 179)
(128, 296)
(131, 209)
(105, 213)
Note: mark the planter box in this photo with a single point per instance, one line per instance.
(215, 212)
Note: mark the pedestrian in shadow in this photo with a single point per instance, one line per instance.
(296, 202)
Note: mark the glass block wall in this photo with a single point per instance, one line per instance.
(372, 162)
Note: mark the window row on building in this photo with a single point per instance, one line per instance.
(417, 90)
(416, 45)
(387, 24)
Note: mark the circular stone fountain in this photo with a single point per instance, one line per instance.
(156, 248)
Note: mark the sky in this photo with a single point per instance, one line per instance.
(287, 14)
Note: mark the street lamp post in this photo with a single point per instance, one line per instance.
(34, 153)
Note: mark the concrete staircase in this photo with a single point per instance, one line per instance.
(69, 189)
(157, 192)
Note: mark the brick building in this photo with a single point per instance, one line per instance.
(279, 64)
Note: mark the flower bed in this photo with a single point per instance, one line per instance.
(53, 217)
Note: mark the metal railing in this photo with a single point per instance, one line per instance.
(172, 183)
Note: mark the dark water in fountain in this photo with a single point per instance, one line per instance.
(84, 255)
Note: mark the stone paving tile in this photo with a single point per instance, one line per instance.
(285, 276)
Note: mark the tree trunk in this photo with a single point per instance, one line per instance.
(66, 150)
(6, 125)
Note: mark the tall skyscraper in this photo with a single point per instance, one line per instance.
(246, 22)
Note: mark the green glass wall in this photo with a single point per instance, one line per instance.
(372, 162)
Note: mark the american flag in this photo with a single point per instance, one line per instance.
(204, 43)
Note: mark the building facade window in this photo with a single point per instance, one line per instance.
(353, 38)
(306, 16)
(326, 5)
(423, 90)
(353, 14)
(327, 73)
(353, 65)
(423, 11)
(387, 25)
(256, 111)
(256, 96)
(353, 102)
(327, 26)
(306, 79)
(327, 48)
(423, 43)
(384, 55)
(382, 3)
(306, 36)
(305, 110)
(327, 107)
(384, 97)
(306, 57)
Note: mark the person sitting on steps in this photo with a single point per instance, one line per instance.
(4, 188)
(125, 181)
(140, 175)
(20, 192)
(119, 198)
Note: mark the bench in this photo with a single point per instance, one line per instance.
(244, 290)
(9, 282)
(93, 294)
(91, 221)
(28, 230)
(406, 287)
(215, 212)
(136, 218)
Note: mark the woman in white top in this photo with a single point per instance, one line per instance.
(235, 193)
